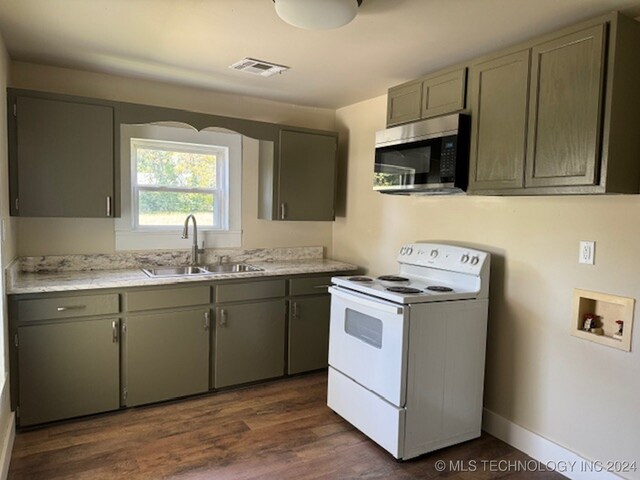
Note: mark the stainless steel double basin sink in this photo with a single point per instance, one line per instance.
(220, 268)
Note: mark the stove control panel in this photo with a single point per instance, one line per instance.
(445, 257)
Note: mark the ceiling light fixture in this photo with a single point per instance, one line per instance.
(317, 14)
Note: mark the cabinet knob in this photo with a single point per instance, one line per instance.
(223, 318)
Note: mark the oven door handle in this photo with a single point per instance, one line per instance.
(355, 298)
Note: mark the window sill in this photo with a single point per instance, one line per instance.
(150, 240)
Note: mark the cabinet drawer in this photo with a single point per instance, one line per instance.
(168, 298)
(66, 307)
(250, 291)
(309, 286)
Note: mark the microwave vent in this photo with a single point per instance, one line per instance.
(258, 67)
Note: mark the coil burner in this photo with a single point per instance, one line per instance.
(392, 278)
(439, 288)
(403, 290)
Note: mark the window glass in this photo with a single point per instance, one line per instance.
(172, 180)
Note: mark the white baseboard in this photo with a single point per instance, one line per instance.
(8, 436)
(569, 464)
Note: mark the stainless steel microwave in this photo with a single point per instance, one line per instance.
(426, 157)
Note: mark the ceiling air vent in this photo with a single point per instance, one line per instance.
(258, 67)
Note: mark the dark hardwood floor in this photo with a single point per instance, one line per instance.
(279, 430)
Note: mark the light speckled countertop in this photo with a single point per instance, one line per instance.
(60, 281)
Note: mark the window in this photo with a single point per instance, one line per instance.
(173, 172)
(172, 180)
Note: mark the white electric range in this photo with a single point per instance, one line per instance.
(406, 351)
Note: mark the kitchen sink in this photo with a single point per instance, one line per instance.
(232, 268)
(200, 270)
(174, 271)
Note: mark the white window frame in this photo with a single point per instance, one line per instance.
(220, 193)
(130, 236)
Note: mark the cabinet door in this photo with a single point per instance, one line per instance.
(565, 103)
(249, 342)
(64, 158)
(499, 89)
(166, 355)
(308, 333)
(68, 369)
(403, 104)
(443, 93)
(307, 176)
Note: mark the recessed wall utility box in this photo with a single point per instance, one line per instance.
(607, 310)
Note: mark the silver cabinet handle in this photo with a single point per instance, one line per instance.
(114, 331)
(71, 307)
(223, 318)
(294, 309)
(108, 206)
(207, 320)
(283, 211)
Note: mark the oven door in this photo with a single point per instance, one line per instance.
(368, 342)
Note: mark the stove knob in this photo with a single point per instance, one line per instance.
(409, 250)
(403, 250)
(475, 260)
(434, 253)
(464, 258)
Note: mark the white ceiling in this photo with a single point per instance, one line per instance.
(192, 42)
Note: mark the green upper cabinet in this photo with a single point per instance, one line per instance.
(498, 99)
(444, 93)
(301, 185)
(436, 94)
(559, 114)
(565, 110)
(61, 158)
(404, 103)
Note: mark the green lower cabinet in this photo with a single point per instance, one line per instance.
(249, 342)
(308, 333)
(68, 369)
(166, 355)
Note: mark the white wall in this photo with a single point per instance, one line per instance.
(578, 394)
(51, 236)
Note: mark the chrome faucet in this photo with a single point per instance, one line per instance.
(194, 248)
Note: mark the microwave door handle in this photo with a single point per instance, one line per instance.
(383, 307)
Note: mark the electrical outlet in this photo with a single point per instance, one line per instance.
(587, 252)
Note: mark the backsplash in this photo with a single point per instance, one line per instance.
(62, 263)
